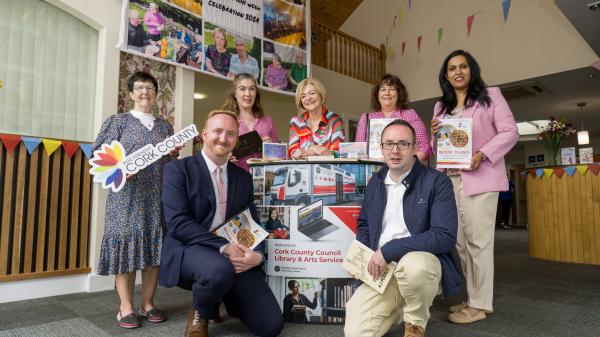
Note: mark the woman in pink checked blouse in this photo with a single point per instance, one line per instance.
(389, 100)
(243, 98)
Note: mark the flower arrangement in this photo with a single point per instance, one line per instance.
(552, 135)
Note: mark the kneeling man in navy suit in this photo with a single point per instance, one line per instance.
(200, 193)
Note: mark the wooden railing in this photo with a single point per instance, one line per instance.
(342, 53)
(45, 214)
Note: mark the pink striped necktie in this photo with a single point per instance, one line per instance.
(222, 193)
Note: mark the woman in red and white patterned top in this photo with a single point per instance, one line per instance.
(243, 98)
(389, 100)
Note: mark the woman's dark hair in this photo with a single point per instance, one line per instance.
(391, 80)
(141, 76)
(291, 284)
(271, 211)
(231, 102)
(476, 92)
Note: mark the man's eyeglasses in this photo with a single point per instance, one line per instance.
(140, 88)
(390, 146)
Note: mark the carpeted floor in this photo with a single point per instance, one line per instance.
(532, 298)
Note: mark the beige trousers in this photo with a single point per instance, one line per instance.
(475, 243)
(411, 291)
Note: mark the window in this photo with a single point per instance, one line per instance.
(48, 68)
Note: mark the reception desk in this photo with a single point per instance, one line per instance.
(563, 207)
(310, 209)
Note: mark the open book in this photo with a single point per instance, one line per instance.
(356, 262)
(242, 229)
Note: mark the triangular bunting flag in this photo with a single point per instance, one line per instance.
(440, 33)
(409, 4)
(403, 46)
(548, 172)
(394, 23)
(51, 145)
(388, 52)
(539, 172)
(10, 142)
(532, 173)
(31, 143)
(401, 13)
(559, 171)
(582, 169)
(595, 168)
(87, 149)
(470, 19)
(570, 170)
(70, 147)
(419, 43)
(505, 8)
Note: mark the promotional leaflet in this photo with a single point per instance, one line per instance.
(357, 261)
(455, 143)
(375, 128)
(242, 229)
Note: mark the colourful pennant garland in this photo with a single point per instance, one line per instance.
(570, 170)
(70, 147)
(440, 32)
(51, 145)
(548, 172)
(539, 172)
(582, 169)
(10, 142)
(532, 173)
(559, 172)
(31, 143)
(470, 19)
(595, 168)
(505, 8)
(87, 149)
(419, 42)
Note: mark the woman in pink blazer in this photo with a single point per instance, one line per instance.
(465, 95)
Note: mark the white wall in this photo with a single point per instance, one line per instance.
(537, 39)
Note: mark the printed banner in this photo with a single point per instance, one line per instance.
(266, 38)
(310, 212)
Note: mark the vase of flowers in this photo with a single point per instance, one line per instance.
(552, 135)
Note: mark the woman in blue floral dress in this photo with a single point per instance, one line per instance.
(134, 224)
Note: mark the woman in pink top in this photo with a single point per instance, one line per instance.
(465, 95)
(243, 98)
(154, 21)
(389, 99)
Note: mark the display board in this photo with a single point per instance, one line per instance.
(266, 38)
(310, 211)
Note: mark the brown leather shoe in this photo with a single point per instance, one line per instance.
(412, 330)
(196, 326)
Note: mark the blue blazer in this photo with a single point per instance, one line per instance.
(430, 216)
(189, 205)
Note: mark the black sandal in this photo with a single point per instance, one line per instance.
(153, 315)
(130, 321)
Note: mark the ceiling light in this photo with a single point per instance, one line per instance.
(198, 95)
(583, 137)
(591, 75)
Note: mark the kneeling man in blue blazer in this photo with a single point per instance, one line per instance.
(199, 193)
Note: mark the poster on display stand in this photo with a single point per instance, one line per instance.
(310, 211)
(266, 38)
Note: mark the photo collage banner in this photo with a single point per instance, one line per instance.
(265, 38)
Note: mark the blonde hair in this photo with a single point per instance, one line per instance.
(319, 88)
(213, 113)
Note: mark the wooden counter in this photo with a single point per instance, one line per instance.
(564, 217)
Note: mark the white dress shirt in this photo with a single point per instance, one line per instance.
(393, 225)
(212, 168)
(146, 119)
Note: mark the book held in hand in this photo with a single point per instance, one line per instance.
(356, 263)
(455, 143)
(247, 143)
(242, 229)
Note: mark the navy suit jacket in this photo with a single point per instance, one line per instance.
(189, 205)
(429, 214)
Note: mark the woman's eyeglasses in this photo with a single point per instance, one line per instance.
(140, 88)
